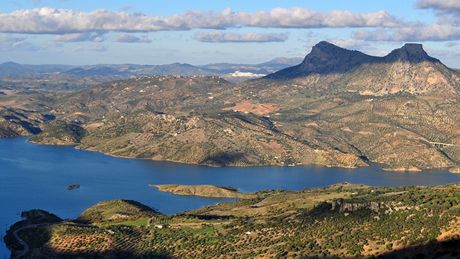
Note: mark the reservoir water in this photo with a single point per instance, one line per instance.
(36, 176)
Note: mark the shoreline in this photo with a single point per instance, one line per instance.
(383, 167)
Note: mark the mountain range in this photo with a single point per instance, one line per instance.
(338, 107)
(407, 69)
(12, 69)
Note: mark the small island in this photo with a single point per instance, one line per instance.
(209, 191)
(73, 186)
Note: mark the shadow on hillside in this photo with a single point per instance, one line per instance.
(102, 255)
(210, 217)
(37, 246)
(434, 249)
(223, 159)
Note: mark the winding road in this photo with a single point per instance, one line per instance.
(26, 249)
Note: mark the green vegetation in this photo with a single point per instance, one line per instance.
(117, 211)
(140, 222)
(336, 221)
(61, 133)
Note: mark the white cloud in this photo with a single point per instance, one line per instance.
(430, 32)
(451, 44)
(4, 38)
(78, 37)
(62, 21)
(10, 43)
(349, 43)
(444, 28)
(446, 5)
(128, 38)
(216, 36)
(93, 48)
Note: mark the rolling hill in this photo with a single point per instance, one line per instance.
(337, 108)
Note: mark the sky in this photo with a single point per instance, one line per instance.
(80, 32)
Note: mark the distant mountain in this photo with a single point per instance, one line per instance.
(96, 71)
(12, 69)
(123, 71)
(16, 75)
(407, 69)
(262, 68)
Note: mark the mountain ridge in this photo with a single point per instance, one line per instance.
(334, 55)
(407, 69)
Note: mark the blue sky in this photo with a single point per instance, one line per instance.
(200, 32)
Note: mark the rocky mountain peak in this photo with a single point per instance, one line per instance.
(325, 58)
(326, 51)
(410, 52)
(326, 46)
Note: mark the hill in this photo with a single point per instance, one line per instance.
(343, 221)
(116, 211)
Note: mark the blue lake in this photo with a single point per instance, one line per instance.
(36, 176)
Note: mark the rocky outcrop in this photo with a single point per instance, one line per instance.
(410, 52)
(342, 205)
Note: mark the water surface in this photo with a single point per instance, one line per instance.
(36, 176)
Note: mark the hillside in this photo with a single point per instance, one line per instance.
(337, 108)
(342, 220)
(23, 112)
(116, 211)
